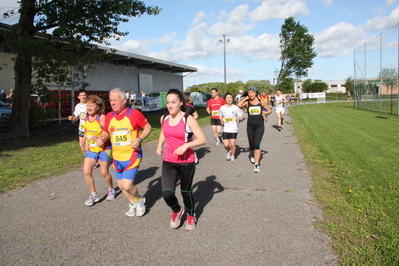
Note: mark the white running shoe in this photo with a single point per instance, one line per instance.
(252, 158)
(132, 210)
(111, 194)
(140, 207)
(256, 168)
(233, 159)
(228, 156)
(92, 199)
(218, 143)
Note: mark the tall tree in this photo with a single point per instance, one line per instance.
(47, 58)
(389, 78)
(297, 51)
(349, 85)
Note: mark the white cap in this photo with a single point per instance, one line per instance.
(240, 91)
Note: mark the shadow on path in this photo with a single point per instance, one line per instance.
(204, 193)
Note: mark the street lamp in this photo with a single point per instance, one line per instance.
(224, 41)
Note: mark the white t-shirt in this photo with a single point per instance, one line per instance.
(80, 111)
(230, 116)
(238, 97)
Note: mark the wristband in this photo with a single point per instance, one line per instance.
(141, 140)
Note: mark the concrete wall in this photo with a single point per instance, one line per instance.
(130, 79)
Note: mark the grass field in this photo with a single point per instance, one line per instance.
(352, 155)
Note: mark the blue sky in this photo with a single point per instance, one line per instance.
(188, 32)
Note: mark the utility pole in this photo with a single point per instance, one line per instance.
(224, 41)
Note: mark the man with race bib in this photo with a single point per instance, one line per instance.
(212, 108)
(122, 127)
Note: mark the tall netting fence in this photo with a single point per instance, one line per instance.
(376, 73)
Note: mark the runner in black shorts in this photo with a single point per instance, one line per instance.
(255, 124)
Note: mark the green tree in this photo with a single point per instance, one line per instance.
(297, 51)
(317, 87)
(286, 85)
(349, 85)
(306, 85)
(48, 58)
(389, 78)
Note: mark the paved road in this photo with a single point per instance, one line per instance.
(243, 218)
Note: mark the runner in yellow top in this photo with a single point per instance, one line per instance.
(122, 127)
(93, 127)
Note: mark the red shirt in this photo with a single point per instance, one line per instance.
(214, 106)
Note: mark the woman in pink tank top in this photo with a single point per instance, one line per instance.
(178, 157)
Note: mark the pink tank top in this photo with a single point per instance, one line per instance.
(175, 137)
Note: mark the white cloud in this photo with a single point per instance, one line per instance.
(390, 2)
(278, 9)
(378, 24)
(338, 40)
(133, 46)
(209, 74)
(200, 16)
(326, 2)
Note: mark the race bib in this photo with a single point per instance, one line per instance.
(229, 119)
(254, 110)
(215, 113)
(121, 138)
(91, 142)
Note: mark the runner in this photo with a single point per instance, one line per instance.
(280, 101)
(122, 127)
(80, 114)
(191, 111)
(190, 107)
(230, 115)
(178, 160)
(239, 96)
(212, 108)
(93, 125)
(255, 124)
(264, 98)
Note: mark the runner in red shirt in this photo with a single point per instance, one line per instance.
(212, 108)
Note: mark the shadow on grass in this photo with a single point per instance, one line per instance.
(46, 136)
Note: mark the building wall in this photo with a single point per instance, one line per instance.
(334, 86)
(106, 77)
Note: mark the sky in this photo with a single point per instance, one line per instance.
(189, 32)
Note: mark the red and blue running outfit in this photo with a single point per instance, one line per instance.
(123, 128)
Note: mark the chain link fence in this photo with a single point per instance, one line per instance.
(376, 73)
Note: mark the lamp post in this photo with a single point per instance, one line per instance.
(224, 41)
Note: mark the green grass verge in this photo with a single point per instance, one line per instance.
(352, 155)
(24, 161)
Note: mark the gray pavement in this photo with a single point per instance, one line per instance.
(243, 218)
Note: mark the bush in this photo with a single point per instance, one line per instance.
(40, 116)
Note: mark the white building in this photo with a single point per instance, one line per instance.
(334, 86)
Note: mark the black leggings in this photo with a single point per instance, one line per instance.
(171, 172)
(255, 131)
